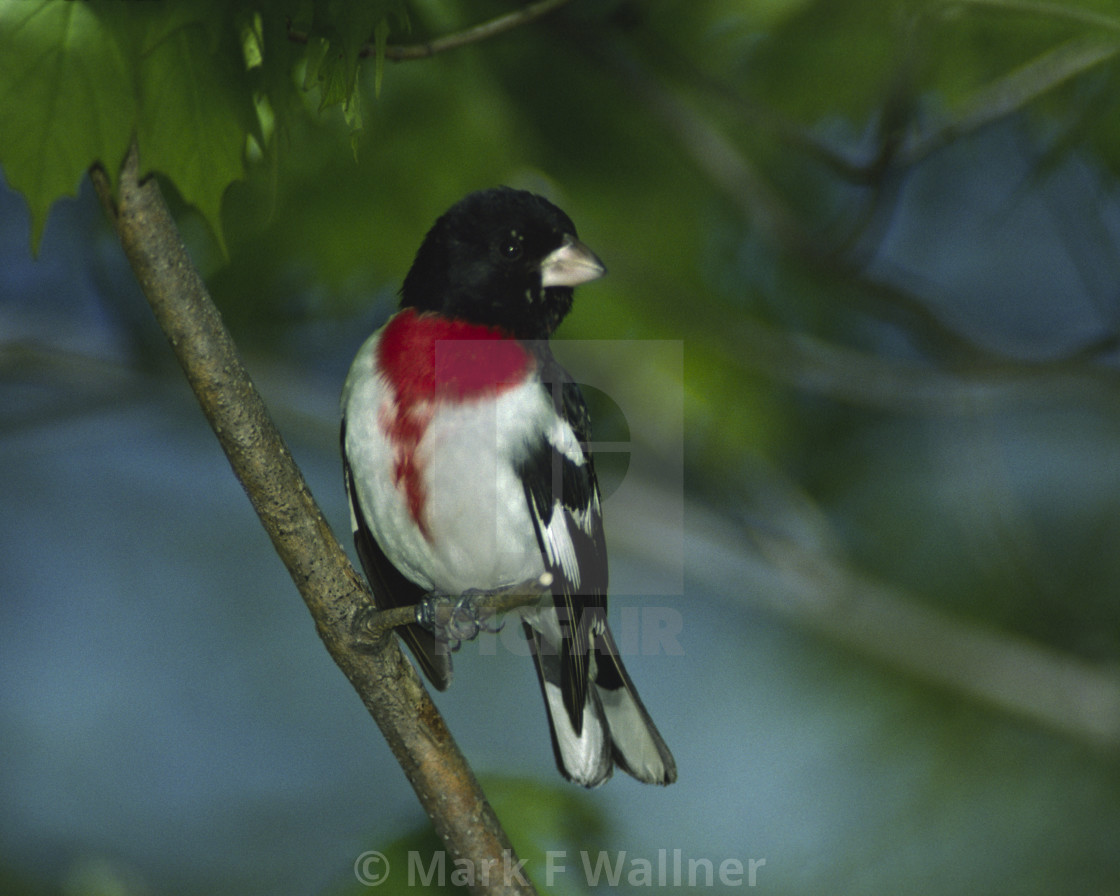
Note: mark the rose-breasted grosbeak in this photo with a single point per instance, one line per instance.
(467, 467)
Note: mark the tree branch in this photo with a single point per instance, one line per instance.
(492, 28)
(474, 34)
(1014, 91)
(1059, 11)
(326, 580)
(790, 563)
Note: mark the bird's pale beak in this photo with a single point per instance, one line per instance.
(570, 265)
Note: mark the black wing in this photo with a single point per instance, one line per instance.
(392, 589)
(556, 485)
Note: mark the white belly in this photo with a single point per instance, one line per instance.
(479, 534)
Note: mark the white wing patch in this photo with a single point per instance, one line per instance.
(557, 538)
(558, 544)
(563, 438)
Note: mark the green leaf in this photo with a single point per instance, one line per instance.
(340, 35)
(380, 42)
(196, 112)
(336, 75)
(346, 27)
(66, 101)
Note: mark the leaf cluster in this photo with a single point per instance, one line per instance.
(203, 85)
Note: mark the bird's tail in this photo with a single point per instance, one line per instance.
(613, 726)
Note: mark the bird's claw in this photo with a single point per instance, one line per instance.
(454, 620)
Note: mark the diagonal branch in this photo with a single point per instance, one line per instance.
(1066, 12)
(492, 28)
(1014, 91)
(326, 580)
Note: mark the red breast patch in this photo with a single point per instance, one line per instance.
(429, 359)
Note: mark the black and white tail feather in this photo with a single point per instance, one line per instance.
(595, 714)
(612, 727)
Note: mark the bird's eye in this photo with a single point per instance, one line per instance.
(511, 247)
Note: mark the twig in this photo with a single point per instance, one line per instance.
(474, 34)
(492, 603)
(1014, 91)
(492, 28)
(326, 580)
(817, 366)
(1061, 11)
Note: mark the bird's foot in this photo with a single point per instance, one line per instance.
(454, 619)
